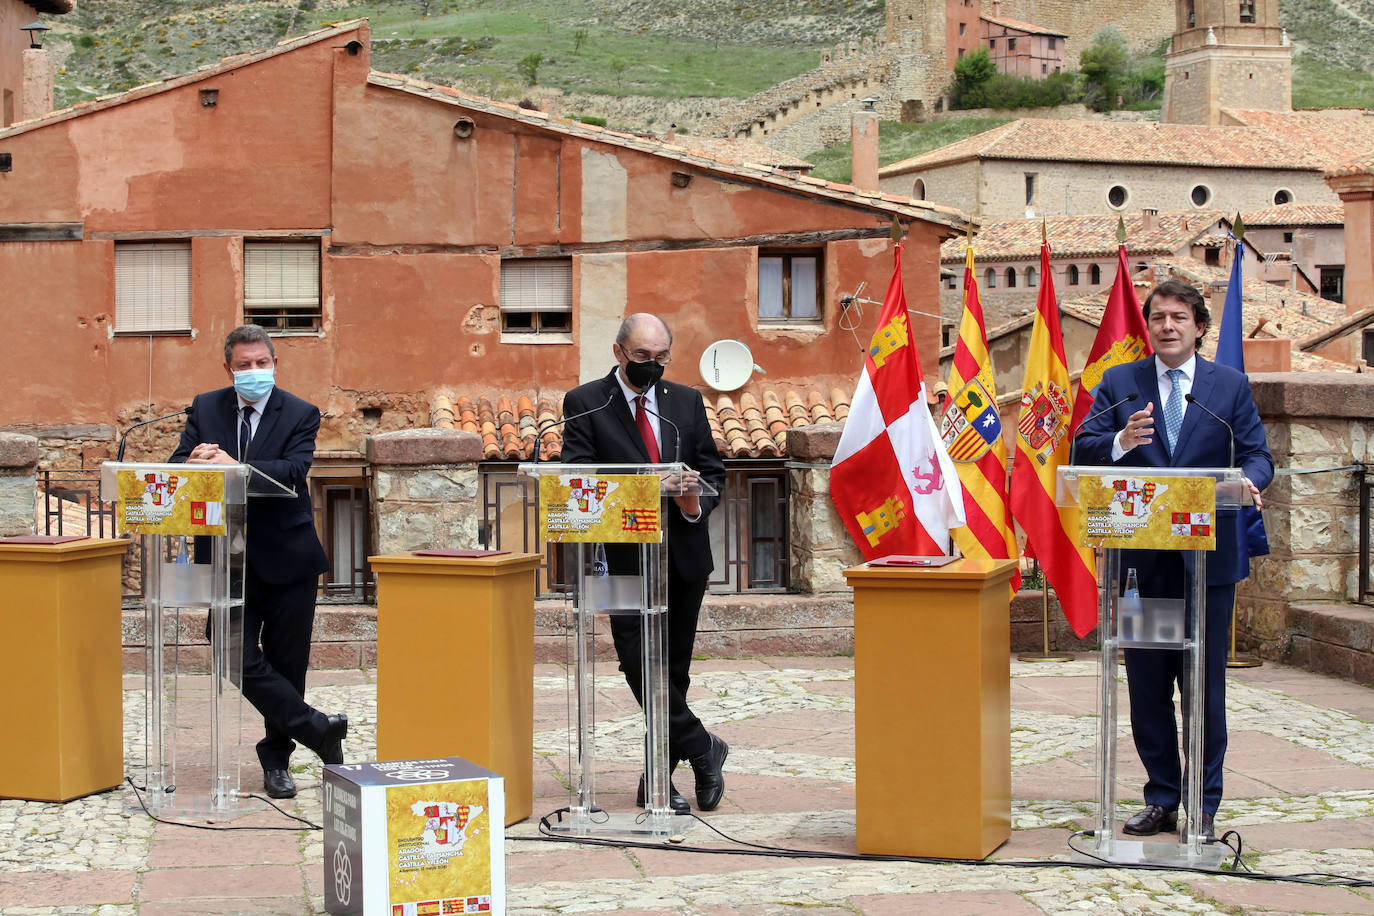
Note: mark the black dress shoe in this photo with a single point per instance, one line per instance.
(1207, 827)
(278, 784)
(331, 748)
(675, 799)
(1151, 820)
(710, 780)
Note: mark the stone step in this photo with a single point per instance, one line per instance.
(1332, 639)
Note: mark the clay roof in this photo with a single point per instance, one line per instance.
(1080, 236)
(738, 151)
(757, 173)
(1022, 26)
(208, 71)
(1296, 215)
(1133, 142)
(747, 424)
(1334, 137)
(1361, 165)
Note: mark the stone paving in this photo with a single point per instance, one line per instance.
(1300, 791)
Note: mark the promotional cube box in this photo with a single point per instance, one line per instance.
(414, 838)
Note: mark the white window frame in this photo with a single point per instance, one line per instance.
(281, 285)
(536, 300)
(152, 287)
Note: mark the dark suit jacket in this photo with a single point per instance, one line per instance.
(610, 436)
(1202, 443)
(282, 544)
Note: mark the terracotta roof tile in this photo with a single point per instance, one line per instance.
(1080, 236)
(749, 424)
(1360, 165)
(737, 150)
(1027, 27)
(1134, 142)
(1296, 215)
(1334, 137)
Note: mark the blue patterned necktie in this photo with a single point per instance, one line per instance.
(245, 431)
(1173, 408)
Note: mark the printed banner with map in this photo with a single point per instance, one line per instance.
(612, 508)
(1147, 513)
(438, 855)
(186, 502)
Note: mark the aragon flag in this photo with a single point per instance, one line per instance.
(1042, 444)
(971, 430)
(891, 481)
(1121, 338)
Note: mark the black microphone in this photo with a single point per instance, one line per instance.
(1073, 446)
(539, 433)
(1213, 414)
(124, 439)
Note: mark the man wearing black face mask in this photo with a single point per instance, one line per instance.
(627, 430)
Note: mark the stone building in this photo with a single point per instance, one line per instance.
(1306, 239)
(26, 69)
(1022, 48)
(1226, 54)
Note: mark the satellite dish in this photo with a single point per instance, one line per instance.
(727, 364)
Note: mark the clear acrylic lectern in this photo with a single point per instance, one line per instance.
(1119, 504)
(587, 507)
(190, 524)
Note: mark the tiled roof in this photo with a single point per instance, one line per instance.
(1133, 142)
(1079, 236)
(744, 425)
(738, 151)
(1023, 26)
(1296, 215)
(877, 201)
(1333, 137)
(1360, 165)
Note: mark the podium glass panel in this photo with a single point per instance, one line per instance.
(1129, 619)
(190, 522)
(583, 509)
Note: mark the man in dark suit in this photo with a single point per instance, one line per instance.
(1180, 434)
(258, 424)
(623, 426)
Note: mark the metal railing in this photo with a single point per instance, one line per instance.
(1364, 480)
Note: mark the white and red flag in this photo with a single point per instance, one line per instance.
(892, 481)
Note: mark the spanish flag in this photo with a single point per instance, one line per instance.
(1042, 444)
(971, 429)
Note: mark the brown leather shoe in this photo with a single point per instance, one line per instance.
(1207, 827)
(1151, 820)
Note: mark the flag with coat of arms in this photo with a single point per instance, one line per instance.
(891, 481)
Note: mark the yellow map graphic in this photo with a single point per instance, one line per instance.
(1147, 513)
(437, 843)
(606, 508)
(186, 502)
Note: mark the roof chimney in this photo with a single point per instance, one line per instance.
(35, 93)
(863, 144)
(1149, 219)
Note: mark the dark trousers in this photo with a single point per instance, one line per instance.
(687, 737)
(1150, 676)
(281, 618)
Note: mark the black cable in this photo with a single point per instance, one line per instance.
(756, 849)
(138, 794)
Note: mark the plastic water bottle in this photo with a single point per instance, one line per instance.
(183, 555)
(1130, 612)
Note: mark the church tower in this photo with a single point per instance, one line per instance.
(1226, 54)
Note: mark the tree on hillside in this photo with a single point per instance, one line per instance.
(971, 75)
(1103, 68)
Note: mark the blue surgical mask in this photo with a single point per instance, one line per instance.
(254, 384)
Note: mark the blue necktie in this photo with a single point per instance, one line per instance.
(245, 431)
(1173, 408)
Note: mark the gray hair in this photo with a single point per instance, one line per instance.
(247, 334)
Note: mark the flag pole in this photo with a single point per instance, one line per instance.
(1045, 654)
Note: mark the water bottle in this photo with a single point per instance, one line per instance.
(1130, 612)
(183, 555)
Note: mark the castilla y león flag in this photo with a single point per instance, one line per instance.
(892, 481)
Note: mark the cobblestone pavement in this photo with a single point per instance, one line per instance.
(1299, 783)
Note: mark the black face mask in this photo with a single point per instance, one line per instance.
(643, 375)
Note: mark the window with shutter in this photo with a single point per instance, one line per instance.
(152, 287)
(536, 299)
(281, 285)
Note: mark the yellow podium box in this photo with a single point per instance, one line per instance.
(63, 727)
(455, 664)
(932, 708)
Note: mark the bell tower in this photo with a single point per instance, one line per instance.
(1226, 54)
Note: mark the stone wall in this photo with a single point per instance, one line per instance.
(1315, 422)
(820, 545)
(425, 489)
(18, 466)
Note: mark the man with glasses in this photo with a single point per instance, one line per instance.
(634, 417)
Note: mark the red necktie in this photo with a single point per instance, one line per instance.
(646, 431)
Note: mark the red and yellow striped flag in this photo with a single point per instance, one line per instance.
(1042, 444)
(972, 432)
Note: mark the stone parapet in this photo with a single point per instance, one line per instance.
(18, 483)
(425, 487)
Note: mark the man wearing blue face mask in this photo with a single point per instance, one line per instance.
(253, 422)
(622, 424)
